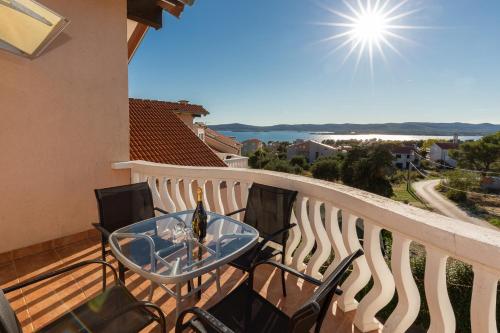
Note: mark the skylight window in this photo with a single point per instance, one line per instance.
(27, 27)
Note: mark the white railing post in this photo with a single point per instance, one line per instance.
(383, 283)
(436, 292)
(307, 235)
(408, 305)
(483, 304)
(361, 272)
(323, 246)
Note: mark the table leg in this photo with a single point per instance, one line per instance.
(178, 299)
(151, 291)
(198, 294)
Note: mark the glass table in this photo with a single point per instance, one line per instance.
(162, 250)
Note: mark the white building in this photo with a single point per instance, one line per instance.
(403, 156)
(311, 150)
(439, 152)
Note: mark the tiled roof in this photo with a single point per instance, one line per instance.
(162, 137)
(222, 138)
(447, 145)
(181, 106)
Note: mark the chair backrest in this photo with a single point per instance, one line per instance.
(315, 309)
(269, 209)
(8, 319)
(123, 205)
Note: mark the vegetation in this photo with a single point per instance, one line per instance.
(457, 183)
(300, 161)
(326, 169)
(482, 155)
(368, 169)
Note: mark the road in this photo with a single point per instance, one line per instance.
(426, 191)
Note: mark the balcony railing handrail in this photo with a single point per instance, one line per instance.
(462, 240)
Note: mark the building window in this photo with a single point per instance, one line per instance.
(201, 136)
(398, 155)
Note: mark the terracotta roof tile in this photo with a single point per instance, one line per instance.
(222, 138)
(447, 145)
(162, 137)
(181, 106)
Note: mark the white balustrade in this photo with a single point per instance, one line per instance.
(442, 237)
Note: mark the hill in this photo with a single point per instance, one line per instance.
(415, 128)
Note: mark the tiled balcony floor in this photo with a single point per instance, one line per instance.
(39, 304)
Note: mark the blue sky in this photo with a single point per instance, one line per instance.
(259, 62)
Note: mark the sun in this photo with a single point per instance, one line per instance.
(369, 27)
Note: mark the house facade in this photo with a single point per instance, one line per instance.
(311, 150)
(66, 120)
(439, 153)
(250, 146)
(403, 156)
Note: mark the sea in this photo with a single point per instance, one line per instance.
(291, 136)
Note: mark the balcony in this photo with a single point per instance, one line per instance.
(234, 161)
(319, 208)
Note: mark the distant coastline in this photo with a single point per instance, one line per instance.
(408, 128)
(291, 136)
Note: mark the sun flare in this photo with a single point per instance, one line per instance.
(368, 27)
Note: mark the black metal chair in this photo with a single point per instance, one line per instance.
(120, 206)
(245, 310)
(114, 310)
(268, 210)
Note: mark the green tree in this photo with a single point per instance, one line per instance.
(371, 173)
(349, 164)
(299, 161)
(279, 165)
(369, 169)
(259, 159)
(326, 169)
(480, 155)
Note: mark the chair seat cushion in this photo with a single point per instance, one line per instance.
(91, 317)
(262, 316)
(244, 262)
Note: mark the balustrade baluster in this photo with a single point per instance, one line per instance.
(360, 274)
(323, 246)
(436, 293)
(383, 283)
(408, 306)
(307, 243)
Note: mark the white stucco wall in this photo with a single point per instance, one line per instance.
(64, 121)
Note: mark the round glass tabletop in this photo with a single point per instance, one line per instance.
(164, 250)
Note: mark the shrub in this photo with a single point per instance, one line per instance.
(279, 165)
(300, 161)
(297, 170)
(326, 169)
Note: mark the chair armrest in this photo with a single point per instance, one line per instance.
(292, 271)
(160, 210)
(140, 304)
(287, 269)
(48, 275)
(236, 211)
(267, 240)
(101, 229)
(204, 317)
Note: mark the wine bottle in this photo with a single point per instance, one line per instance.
(199, 222)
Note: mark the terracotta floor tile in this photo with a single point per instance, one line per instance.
(37, 305)
(8, 277)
